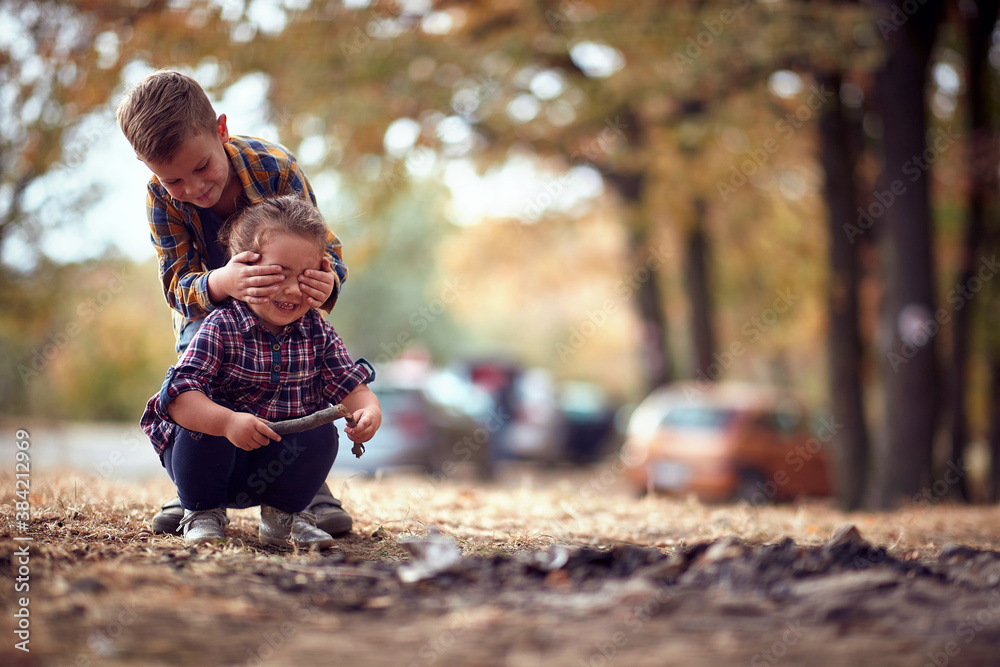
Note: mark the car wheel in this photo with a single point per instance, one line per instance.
(751, 488)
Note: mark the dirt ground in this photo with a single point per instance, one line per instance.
(554, 568)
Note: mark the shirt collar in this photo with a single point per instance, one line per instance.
(246, 320)
(236, 149)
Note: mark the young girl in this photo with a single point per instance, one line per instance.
(250, 365)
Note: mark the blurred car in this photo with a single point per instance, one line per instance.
(436, 424)
(530, 424)
(725, 443)
(591, 426)
(537, 431)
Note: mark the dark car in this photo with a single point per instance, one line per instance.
(437, 426)
(590, 420)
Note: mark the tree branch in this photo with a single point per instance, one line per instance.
(319, 418)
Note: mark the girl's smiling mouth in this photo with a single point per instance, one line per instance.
(285, 306)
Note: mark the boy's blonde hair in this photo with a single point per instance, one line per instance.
(163, 111)
(253, 226)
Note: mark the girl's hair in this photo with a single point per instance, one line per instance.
(252, 227)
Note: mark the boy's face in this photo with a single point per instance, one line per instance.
(199, 171)
(294, 254)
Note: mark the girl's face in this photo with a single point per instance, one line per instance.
(294, 254)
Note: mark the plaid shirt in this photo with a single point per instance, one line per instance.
(234, 359)
(265, 170)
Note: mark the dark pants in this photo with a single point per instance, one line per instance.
(212, 472)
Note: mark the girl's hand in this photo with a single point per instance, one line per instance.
(317, 285)
(241, 279)
(248, 432)
(368, 420)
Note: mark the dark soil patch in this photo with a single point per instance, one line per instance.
(104, 591)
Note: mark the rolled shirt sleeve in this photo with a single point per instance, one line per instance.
(183, 273)
(193, 372)
(339, 375)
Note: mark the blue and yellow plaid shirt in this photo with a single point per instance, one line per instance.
(265, 170)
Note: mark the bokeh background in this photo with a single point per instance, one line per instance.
(610, 196)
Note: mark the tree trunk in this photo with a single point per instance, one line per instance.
(696, 279)
(978, 30)
(844, 341)
(655, 349)
(909, 325)
(993, 435)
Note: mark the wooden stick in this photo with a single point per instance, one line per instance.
(324, 416)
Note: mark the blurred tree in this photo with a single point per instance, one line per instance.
(404, 296)
(696, 273)
(840, 141)
(58, 64)
(485, 81)
(903, 460)
(28, 317)
(104, 351)
(697, 116)
(574, 270)
(978, 21)
(992, 491)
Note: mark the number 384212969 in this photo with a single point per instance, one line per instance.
(22, 472)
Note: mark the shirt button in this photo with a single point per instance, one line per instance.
(276, 368)
(276, 346)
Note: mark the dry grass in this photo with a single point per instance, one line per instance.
(75, 516)
(105, 590)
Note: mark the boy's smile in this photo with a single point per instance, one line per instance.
(200, 172)
(294, 254)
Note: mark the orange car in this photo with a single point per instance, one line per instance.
(727, 442)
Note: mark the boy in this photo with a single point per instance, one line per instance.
(201, 176)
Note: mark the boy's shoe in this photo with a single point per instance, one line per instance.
(329, 512)
(202, 526)
(168, 519)
(280, 529)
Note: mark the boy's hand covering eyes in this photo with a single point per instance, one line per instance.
(317, 285)
(245, 281)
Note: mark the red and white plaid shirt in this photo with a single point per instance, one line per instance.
(236, 361)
